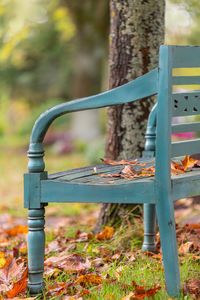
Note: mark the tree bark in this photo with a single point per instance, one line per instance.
(137, 31)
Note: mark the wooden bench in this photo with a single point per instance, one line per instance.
(159, 192)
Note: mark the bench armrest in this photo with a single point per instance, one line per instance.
(144, 86)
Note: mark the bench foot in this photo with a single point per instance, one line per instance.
(166, 223)
(149, 228)
(36, 247)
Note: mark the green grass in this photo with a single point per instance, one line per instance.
(118, 274)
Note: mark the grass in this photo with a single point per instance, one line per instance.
(119, 273)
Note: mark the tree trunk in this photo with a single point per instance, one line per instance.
(137, 31)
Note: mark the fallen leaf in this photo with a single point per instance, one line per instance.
(2, 259)
(192, 287)
(176, 168)
(189, 163)
(109, 182)
(57, 288)
(83, 236)
(18, 229)
(194, 226)
(70, 263)
(129, 171)
(11, 271)
(18, 286)
(141, 291)
(121, 162)
(95, 170)
(130, 296)
(85, 292)
(109, 175)
(106, 234)
(92, 279)
(187, 248)
(104, 251)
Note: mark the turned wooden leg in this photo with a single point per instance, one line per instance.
(36, 247)
(149, 228)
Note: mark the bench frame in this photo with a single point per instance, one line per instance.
(158, 143)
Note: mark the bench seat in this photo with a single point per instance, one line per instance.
(85, 182)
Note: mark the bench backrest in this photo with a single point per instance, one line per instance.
(172, 60)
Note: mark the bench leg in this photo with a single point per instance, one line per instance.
(149, 228)
(166, 223)
(36, 247)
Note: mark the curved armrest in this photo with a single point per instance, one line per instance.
(139, 88)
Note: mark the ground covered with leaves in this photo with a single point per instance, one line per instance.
(109, 265)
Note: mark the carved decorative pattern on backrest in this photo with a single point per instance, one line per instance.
(186, 104)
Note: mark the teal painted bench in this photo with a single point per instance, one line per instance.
(157, 193)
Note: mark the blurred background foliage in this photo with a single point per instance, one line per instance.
(58, 49)
(52, 51)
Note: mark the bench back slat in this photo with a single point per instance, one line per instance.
(185, 56)
(185, 147)
(186, 104)
(185, 80)
(186, 127)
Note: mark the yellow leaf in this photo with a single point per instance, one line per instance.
(2, 262)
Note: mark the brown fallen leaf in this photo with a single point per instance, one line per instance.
(83, 236)
(176, 168)
(109, 175)
(57, 288)
(187, 247)
(130, 296)
(129, 171)
(11, 271)
(189, 162)
(92, 279)
(18, 286)
(73, 263)
(121, 162)
(106, 234)
(141, 291)
(109, 182)
(192, 287)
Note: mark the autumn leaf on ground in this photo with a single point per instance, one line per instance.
(187, 247)
(91, 279)
(192, 287)
(11, 271)
(18, 286)
(130, 296)
(189, 163)
(57, 288)
(83, 236)
(18, 229)
(2, 259)
(70, 263)
(106, 234)
(194, 226)
(140, 292)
